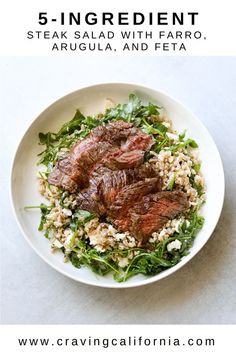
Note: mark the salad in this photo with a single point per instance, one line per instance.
(122, 190)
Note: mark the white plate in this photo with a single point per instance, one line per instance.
(90, 100)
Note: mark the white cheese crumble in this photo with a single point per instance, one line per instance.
(67, 212)
(174, 245)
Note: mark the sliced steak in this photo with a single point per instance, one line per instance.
(119, 130)
(127, 198)
(119, 145)
(89, 198)
(108, 172)
(137, 141)
(72, 166)
(84, 162)
(129, 159)
(62, 180)
(105, 189)
(154, 210)
(112, 183)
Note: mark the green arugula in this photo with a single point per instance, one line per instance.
(79, 218)
(144, 262)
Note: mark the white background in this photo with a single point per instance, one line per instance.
(204, 290)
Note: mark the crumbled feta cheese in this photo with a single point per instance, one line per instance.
(58, 224)
(174, 245)
(123, 262)
(177, 225)
(166, 124)
(187, 223)
(57, 244)
(119, 236)
(198, 180)
(69, 234)
(172, 136)
(162, 233)
(67, 212)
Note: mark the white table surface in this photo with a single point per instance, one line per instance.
(201, 292)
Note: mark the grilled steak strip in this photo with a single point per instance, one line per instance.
(119, 145)
(154, 210)
(104, 189)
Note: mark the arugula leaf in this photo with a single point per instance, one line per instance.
(144, 263)
(133, 105)
(72, 125)
(199, 188)
(75, 260)
(63, 197)
(101, 264)
(155, 128)
(66, 136)
(161, 143)
(192, 143)
(182, 135)
(91, 122)
(43, 220)
(185, 144)
(79, 218)
(46, 139)
(197, 167)
(45, 210)
(150, 110)
(125, 111)
(172, 182)
(132, 111)
(162, 129)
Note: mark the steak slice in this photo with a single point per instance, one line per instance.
(129, 159)
(127, 198)
(60, 179)
(83, 163)
(105, 189)
(153, 211)
(118, 130)
(89, 198)
(138, 140)
(118, 145)
(123, 183)
(69, 171)
(141, 212)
